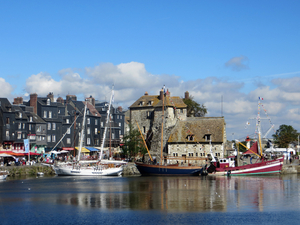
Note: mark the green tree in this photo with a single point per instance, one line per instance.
(133, 143)
(194, 108)
(285, 135)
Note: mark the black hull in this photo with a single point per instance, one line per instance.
(158, 170)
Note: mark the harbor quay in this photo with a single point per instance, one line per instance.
(129, 169)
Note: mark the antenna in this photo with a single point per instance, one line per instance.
(221, 105)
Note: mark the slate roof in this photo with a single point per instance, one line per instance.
(198, 127)
(149, 101)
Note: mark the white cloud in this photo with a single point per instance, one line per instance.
(6, 89)
(220, 96)
(238, 63)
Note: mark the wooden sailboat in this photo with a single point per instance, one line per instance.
(161, 169)
(229, 166)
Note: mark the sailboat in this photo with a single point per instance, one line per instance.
(229, 166)
(91, 167)
(162, 169)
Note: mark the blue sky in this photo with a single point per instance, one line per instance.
(235, 50)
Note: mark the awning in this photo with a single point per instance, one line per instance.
(83, 149)
(68, 148)
(92, 149)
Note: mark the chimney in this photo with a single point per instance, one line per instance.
(91, 100)
(186, 95)
(33, 102)
(146, 93)
(120, 109)
(18, 101)
(51, 96)
(60, 100)
(161, 94)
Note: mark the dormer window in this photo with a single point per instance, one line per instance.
(207, 137)
(30, 119)
(48, 101)
(141, 103)
(20, 115)
(150, 102)
(190, 137)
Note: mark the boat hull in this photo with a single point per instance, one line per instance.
(169, 170)
(271, 167)
(70, 171)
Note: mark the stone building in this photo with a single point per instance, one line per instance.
(186, 140)
(191, 140)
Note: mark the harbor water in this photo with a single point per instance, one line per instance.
(150, 200)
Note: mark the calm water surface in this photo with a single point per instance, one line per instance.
(151, 200)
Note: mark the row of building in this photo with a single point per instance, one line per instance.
(45, 121)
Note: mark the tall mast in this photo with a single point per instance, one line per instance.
(107, 119)
(162, 131)
(82, 132)
(259, 130)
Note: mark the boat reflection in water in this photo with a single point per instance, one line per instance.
(178, 194)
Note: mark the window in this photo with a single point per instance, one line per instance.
(96, 130)
(191, 137)
(50, 114)
(23, 126)
(144, 129)
(67, 121)
(191, 154)
(48, 138)
(141, 103)
(53, 138)
(88, 121)
(7, 120)
(29, 127)
(48, 101)
(49, 126)
(120, 124)
(68, 140)
(113, 136)
(118, 116)
(207, 137)
(196, 153)
(53, 126)
(101, 124)
(19, 126)
(30, 119)
(88, 131)
(96, 122)
(45, 114)
(68, 131)
(38, 128)
(19, 135)
(20, 115)
(88, 141)
(175, 154)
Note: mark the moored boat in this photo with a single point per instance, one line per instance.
(230, 166)
(3, 174)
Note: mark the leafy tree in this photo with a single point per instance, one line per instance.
(285, 135)
(133, 143)
(194, 108)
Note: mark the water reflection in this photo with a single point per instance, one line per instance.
(183, 194)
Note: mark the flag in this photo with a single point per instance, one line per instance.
(26, 145)
(164, 89)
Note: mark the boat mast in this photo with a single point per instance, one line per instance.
(162, 130)
(82, 132)
(106, 123)
(259, 129)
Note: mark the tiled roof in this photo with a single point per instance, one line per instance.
(198, 127)
(146, 101)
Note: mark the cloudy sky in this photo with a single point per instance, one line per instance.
(225, 53)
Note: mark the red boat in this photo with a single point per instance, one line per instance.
(227, 167)
(230, 166)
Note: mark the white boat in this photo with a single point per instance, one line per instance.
(3, 175)
(91, 167)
